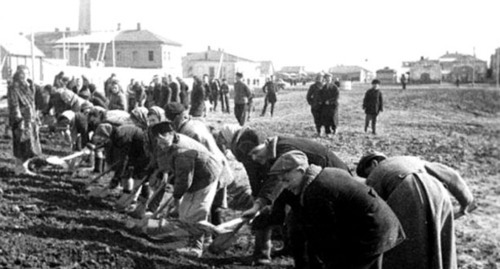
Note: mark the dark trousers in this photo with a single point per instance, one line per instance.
(266, 101)
(240, 111)
(373, 119)
(214, 102)
(404, 85)
(316, 112)
(224, 102)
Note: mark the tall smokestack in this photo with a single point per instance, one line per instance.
(84, 22)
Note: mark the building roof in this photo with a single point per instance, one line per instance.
(346, 69)
(266, 67)
(119, 36)
(19, 45)
(214, 55)
(386, 70)
(293, 69)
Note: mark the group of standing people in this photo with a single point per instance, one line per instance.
(324, 101)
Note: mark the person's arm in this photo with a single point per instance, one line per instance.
(184, 173)
(310, 94)
(264, 88)
(15, 116)
(381, 100)
(455, 184)
(365, 101)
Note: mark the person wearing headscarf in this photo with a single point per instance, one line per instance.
(23, 117)
(117, 99)
(197, 98)
(419, 194)
(139, 117)
(124, 147)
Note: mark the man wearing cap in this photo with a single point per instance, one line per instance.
(265, 155)
(195, 172)
(329, 95)
(270, 89)
(242, 93)
(124, 147)
(197, 130)
(224, 96)
(419, 194)
(372, 105)
(314, 100)
(346, 223)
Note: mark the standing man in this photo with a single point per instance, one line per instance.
(346, 223)
(403, 81)
(214, 91)
(270, 89)
(242, 94)
(197, 99)
(174, 89)
(419, 194)
(224, 96)
(330, 107)
(314, 100)
(208, 94)
(183, 93)
(373, 104)
(131, 95)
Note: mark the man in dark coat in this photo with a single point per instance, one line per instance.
(329, 95)
(155, 90)
(242, 96)
(373, 104)
(165, 95)
(346, 223)
(270, 89)
(174, 89)
(214, 91)
(224, 96)
(124, 145)
(183, 93)
(265, 155)
(419, 194)
(314, 100)
(197, 98)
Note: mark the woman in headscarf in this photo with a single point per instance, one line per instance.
(156, 115)
(23, 118)
(139, 117)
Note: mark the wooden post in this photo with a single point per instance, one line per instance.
(113, 50)
(33, 76)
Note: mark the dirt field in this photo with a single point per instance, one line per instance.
(51, 224)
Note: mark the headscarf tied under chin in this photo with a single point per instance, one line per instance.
(228, 131)
(139, 116)
(158, 112)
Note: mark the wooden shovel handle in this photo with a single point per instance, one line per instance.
(102, 174)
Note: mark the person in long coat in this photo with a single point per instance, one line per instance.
(270, 89)
(329, 95)
(419, 194)
(197, 98)
(313, 99)
(117, 99)
(183, 93)
(23, 117)
(346, 223)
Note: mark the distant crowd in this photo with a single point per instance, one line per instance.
(391, 212)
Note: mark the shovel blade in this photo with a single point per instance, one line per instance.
(99, 192)
(223, 242)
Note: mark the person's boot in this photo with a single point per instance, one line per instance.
(263, 245)
(194, 247)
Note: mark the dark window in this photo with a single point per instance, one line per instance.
(151, 55)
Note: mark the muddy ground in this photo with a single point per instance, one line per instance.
(50, 223)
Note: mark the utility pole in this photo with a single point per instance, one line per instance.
(498, 66)
(473, 65)
(33, 77)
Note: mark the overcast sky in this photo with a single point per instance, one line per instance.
(314, 33)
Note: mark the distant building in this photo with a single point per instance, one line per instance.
(350, 73)
(462, 66)
(386, 75)
(222, 64)
(449, 67)
(289, 73)
(495, 64)
(132, 48)
(46, 41)
(16, 50)
(424, 71)
(267, 69)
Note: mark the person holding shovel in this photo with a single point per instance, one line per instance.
(124, 146)
(419, 193)
(195, 172)
(345, 222)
